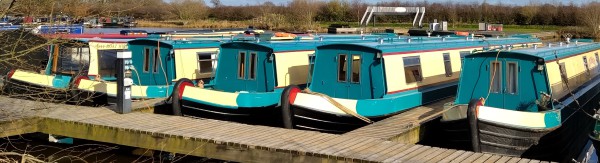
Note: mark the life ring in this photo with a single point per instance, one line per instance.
(460, 33)
(177, 94)
(283, 34)
(287, 113)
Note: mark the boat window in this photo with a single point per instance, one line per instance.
(412, 69)
(146, 59)
(107, 63)
(356, 68)
(563, 72)
(447, 64)
(205, 62)
(585, 63)
(495, 78)
(512, 77)
(156, 59)
(311, 63)
(597, 60)
(342, 67)
(72, 59)
(253, 59)
(241, 64)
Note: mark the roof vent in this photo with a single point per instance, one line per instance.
(320, 38)
(560, 44)
(362, 37)
(258, 40)
(443, 39)
(549, 45)
(380, 40)
(535, 46)
(408, 40)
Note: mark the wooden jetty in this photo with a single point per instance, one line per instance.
(220, 139)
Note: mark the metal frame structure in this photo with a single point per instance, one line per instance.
(377, 10)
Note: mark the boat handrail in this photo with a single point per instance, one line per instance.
(579, 47)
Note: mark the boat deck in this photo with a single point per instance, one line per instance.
(405, 127)
(217, 139)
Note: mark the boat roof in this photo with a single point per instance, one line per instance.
(182, 44)
(557, 50)
(430, 44)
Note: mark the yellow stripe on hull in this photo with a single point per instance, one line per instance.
(33, 78)
(110, 88)
(211, 96)
(319, 103)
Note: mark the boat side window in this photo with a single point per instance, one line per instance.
(597, 59)
(205, 62)
(342, 67)
(512, 77)
(412, 69)
(253, 59)
(311, 62)
(107, 63)
(241, 64)
(156, 58)
(72, 59)
(585, 63)
(356, 68)
(146, 59)
(563, 73)
(495, 78)
(447, 64)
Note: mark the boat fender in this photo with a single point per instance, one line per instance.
(472, 110)
(75, 95)
(287, 99)
(176, 96)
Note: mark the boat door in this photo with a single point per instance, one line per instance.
(495, 71)
(511, 82)
(355, 70)
(253, 65)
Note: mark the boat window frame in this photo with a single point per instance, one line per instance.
(343, 68)
(463, 54)
(586, 65)
(597, 61)
(493, 88)
(211, 60)
(515, 76)
(156, 58)
(562, 67)
(447, 64)
(146, 60)
(252, 66)
(311, 66)
(417, 77)
(352, 68)
(241, 65)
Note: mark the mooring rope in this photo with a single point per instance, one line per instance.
(338, 105)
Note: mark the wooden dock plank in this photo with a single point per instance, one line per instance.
(513, 160)
(452, 156)
(442, 155)
(534, 161)
(232, 141)
(472, 158)
(503, 159)
(483, 158)
(493, 159)
(524, 160)
(462, 157)
(403, 153)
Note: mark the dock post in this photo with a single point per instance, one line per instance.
(124, 82)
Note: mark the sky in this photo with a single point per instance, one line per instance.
(513, 2)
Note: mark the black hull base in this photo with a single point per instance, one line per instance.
(307, 119)
(256, 116)
(456, 134)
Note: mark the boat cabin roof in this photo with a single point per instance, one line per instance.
(179, 44)
(430, 44)
(555, 50)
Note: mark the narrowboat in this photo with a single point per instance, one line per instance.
(250, 80)
(67, 64)
(156, 63)
(353, 85)
(534, 103)
(58, 29)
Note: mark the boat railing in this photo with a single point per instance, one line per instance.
(549, 53)
(457, 43)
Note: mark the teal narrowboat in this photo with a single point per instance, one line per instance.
(355, 84)
(67, 63)
(157, 63)
(534, 103)
(251, 84)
